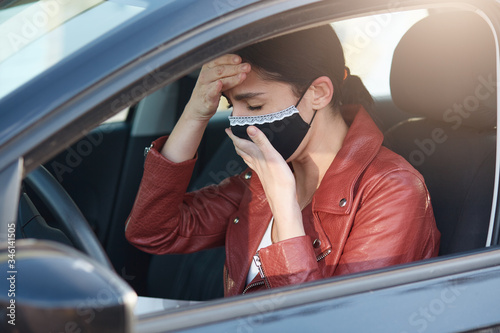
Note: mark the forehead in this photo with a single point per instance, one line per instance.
(255, 84)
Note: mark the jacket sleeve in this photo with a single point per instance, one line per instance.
(394, 224)
(288, 262)
(166, 219)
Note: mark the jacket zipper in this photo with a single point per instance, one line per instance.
(146, 152)
(256, 259)
(226, 274)
(251, 285)
(323, 255)
(147, 149)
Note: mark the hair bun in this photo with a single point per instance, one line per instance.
(355, 92)
(347, 72)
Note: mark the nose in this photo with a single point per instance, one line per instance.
(241, 111)
(236, 112)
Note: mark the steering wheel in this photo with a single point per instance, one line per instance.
(67, 214)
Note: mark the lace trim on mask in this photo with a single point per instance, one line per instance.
(262, 119)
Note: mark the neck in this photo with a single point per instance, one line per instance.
(325, 140)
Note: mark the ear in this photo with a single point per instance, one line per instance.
(322, 89)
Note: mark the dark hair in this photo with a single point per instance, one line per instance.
(300, 57)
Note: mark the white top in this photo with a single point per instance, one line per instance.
(266, 241)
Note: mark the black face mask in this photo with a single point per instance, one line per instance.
(284, 129)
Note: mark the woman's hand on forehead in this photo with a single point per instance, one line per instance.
(218, 75)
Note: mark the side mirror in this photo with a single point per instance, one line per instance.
(50, 287)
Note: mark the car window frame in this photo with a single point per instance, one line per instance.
(10, 189)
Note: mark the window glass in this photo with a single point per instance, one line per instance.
(36, 36)
(223, 104)
(119, 117)
(369, 43)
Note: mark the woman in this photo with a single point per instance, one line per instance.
(321, 197)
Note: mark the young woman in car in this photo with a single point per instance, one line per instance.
(322, 197)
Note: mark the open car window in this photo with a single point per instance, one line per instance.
(37, 35)
(369, 43)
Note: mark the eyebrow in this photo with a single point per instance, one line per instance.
(241, 97)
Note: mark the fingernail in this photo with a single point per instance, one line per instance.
(236, 59)
(245, 67)
(251, 131)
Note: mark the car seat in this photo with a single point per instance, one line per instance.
(444, 74)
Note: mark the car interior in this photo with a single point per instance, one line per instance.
(440, 115)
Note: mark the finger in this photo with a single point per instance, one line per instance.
(236, 140)
(247, 158)
(259, 138)
(226, 65)
(212, 92)
(214, 89)
(224, 71)
(242, 154)
(231, 82)
(232, 72)
(245, 146)
(264, 145)
(229, 58)
(250, 157)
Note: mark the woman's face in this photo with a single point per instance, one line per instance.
(255, 96)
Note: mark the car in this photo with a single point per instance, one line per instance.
(86, 86)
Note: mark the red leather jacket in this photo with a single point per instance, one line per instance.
(371, 210)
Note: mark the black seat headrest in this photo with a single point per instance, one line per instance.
(444, 68)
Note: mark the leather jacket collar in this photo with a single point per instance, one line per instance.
(361, 145)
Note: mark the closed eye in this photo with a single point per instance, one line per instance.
(254, 108)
